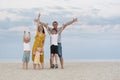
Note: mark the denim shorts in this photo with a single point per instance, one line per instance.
(26, 57)
(59, 50)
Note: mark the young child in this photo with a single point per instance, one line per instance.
(38, 53)
(26, 55)
(54, 46)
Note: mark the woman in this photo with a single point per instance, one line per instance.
(39, 43)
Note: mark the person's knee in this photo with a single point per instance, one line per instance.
(60, 56)
(56, 54)
(52, 55)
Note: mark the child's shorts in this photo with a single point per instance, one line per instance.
(26, 57)
(54, 49)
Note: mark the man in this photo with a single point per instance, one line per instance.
(55, 26)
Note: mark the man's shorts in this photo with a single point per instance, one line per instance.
(54, 49)
(59, 50)
(26, 57)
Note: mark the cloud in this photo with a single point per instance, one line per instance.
(19, 28)
(102, 8)
(91, 22)
(85, 28)
(115, 29)
(25, 3)
(5, 14)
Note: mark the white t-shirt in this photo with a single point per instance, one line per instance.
(59, 35)
(54, 39)
(26, 46)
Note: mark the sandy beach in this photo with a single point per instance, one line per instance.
(72, 71)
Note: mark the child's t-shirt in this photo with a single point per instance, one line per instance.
(59, 35)
(26, 46)
(54, 39)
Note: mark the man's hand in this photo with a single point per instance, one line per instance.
(74, 19)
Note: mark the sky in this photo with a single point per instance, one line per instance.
(95, 36)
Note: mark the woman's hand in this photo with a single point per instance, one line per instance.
(37, 19)
(42, 49)
(33, 53)
(39, 16)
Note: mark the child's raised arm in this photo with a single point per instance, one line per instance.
(24, 35)
(48, 30)
(29, 36)
(60, 31)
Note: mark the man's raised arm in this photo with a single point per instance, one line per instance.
(70, 22)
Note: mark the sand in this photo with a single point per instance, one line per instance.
(72, 71)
